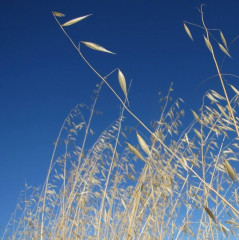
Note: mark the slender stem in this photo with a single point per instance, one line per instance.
(220, 77)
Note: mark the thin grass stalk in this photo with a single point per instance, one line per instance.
(48, 174)
(71, 197)
(204, 176)
(110, 171)
(220, 77)
(176, 203)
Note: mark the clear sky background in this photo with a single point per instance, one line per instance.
(42, 78)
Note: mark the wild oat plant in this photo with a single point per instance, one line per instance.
(164, 181)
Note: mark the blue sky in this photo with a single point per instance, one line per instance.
(42, 78)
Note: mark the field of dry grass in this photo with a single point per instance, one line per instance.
(164, 181)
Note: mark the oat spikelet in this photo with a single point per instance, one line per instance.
(224, 50)
(234, 89)
(96, 47)
(224, 229)
(223, 40)
(197, 117)
(214, 100)
(222, 111)
(122, 83)
(143, 145)
(186, 138)
(208, 43)
(188, 31)
(135, 151)
(78, 236)
(58, 14)
(123, 203)
(198, 134)
(217, 95)
(231, 172)
(209, 212)
(75, 20)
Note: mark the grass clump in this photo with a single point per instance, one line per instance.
(166, 181)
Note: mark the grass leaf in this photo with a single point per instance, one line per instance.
(75, 20)
(96, 47)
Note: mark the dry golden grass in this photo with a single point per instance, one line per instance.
(176, 182)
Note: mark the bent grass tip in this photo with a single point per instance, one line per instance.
(58, 14)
